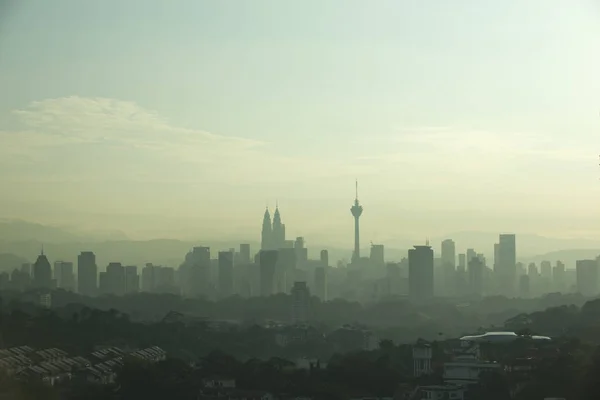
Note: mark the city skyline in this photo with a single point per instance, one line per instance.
(439, 129)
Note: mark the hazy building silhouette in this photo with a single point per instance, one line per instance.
(587, 277)
(506, 264)
(266, 232)
(377, 256)
(278, 231)
(42, 273)
(268, 262)
(324, 258)
(462, 262)
(225, 274)
(448, 256)
(301, 251)
(321, 282)
(113, 280)
(356, 211)
(200, 272)
(300, 302)
(244, 253)
(64, 275)
(87, 273)
(476, 271)
(284, 269)
(420, 273)
(132, 279)
(559, 276)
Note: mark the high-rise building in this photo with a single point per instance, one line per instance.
(225, 274)
(268, 262)
(506, 265)
(113, 280)
(356, 211)
(278, 231)
(244, 253)
(300, 302)
(301, 251)
(132, 279)
(200, 277)
(559, 276)
(587, 277)
(449, 253)
(272, 234)
(476, 271)
(449, 266)
(266, 242)
(462, 262)
(64, 275)
(377, 256)
(324, 258)
(420, 273)
(321, 282)
(87, 274)
(42, 273)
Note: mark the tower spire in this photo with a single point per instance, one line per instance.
(356, 184)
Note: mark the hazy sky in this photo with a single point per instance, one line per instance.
(182, 118)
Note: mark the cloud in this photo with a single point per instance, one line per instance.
(99, 138)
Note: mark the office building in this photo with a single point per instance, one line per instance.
(300, 302)
(132, 279)
(321, 282)
(506, 264)
(420, 273)
(245, 253)
(42, 273)
(64, 275)
(587, 277)
(267, 262)
(377, 258)
(324, 258)
(226, 274)
(87, 274)
(475, 271)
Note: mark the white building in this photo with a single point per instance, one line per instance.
(422, 356)
(440, 392)
(465, 371)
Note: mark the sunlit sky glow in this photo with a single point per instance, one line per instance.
(185, 118)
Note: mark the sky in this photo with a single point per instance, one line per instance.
(186, 118)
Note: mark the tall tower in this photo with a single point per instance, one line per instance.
(267, 233)
(356, 211)
(278, 234)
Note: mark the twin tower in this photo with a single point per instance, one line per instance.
(273, 235)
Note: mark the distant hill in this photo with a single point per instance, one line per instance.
(17, 230)
(9, 262)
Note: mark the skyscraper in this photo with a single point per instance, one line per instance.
(321, 282)
(245, 253)
(300, 302)
(587, 277)
(278, 231)
(449, 266)
(506, 264)
(87, 274)
(266, 232)
(356, 211)
(132, 279)
(377, 256)
(420, 273)
(64, 275)
(272, 234)
(324, 258)
(225, 273)
(42, 272)
(267, 261)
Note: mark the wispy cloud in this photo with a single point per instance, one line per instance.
(122, 137)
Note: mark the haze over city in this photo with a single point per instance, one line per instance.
(186, 120)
